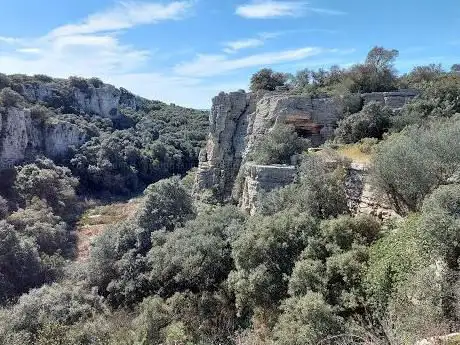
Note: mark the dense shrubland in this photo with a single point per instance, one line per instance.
(302, 271)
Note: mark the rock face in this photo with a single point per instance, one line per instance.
(22, 137)
(103, 101)
(260, 179)
(361, 196)
(239, 120)
(394, 99)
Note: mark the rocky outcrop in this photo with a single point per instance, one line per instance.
(361, 195)
(261, 179)
(238, 120)
(394, 99)
(104, 100)
(22, 137)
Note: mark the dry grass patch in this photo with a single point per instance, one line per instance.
(95, 220)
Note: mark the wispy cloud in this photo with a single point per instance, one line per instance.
(8, 40)
(261, 9)
(125, 15)
(234, 46)
(211, 65)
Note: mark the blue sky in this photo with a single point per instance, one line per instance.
(186, 51)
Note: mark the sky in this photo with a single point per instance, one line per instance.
(187, 51)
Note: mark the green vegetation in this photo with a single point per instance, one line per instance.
(303, 270)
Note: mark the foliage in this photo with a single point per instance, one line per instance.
(264, 254)
(267, 79)
(278, 146)
(306, 320)
(321, 194)
(167, 205)
(10, 98)
(20, 266)
(371, 122)
(410, 164)
(196, 257)
(49, 182)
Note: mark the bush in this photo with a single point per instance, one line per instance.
(306, 320)
(371, 122)
(56, 304)
(319, 191)
(10, 98)
(47, 181)
(168, 205)
(4, 208)
(264, 254)
(278, 146)
(47, 231)
(20, 266)
(196, 257)
(411, 164)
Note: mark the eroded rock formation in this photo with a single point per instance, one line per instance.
(238, 120)
(260, 179)
(22, 137)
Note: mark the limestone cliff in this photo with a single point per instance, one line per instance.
(104, 100)
(22, 137)
(238, 120)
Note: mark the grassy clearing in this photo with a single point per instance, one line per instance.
(95, 220)
(354, 153)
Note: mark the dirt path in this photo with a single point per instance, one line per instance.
(95, 220)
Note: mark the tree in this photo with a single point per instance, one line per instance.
(196, 257)
(264, 254)
(49, 182)
(20, 267)
(267, 79)
(455, 68)
(168, 205)
(302, 79)
(321, 193)
(10, 98)
(381, 59)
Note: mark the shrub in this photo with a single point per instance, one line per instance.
(371, 122)
(306, 320)
(4, 208)
(319, 191)
(46, 181)
(168, 205)
(4, 81)
(79, 83)
(278, 146)
(20, 266)
(264, 254)
(10, 98)
(411, 164)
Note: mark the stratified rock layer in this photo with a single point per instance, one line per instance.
(239, 120)
(261, 179)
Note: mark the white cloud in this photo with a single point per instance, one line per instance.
(211, 65)
(234, 46)
(261, 9)
(8, 40)
(124, 16)
(270, 9)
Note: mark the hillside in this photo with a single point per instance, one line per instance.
(321, 208)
